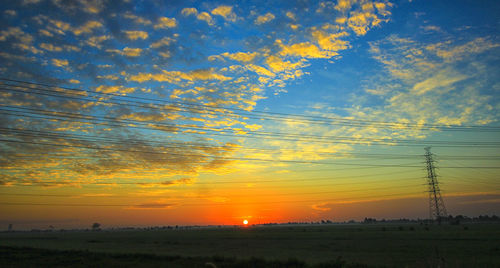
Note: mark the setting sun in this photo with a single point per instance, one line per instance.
(245, 222)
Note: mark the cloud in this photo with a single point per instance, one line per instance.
(304, 50)
(444, 79)
(88, 27)
(321, 207)
(260, 70)
(129, 52)
(238, 56)
(17, 33)
(10, 12)
(45, 33)
(264, 18)
(432, 28)
(189, 11)
(187, 180)
(60, 62)
(456, 53)
(226, 12)
(204, 16)
(115, 89)
(360, 22)
(165, 41)
(26, 47)
(344, 5)
(331, 42)
(420, 87)
(153, 205)
(242, 75)
(92, 6)
(95, 41)
(108, 77)
(177, 76)
(137, 19)
(134, 35)
(164, 23)
(382, 8)
(52, 48)
(279, 65)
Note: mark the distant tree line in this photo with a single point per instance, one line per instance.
(450, 219)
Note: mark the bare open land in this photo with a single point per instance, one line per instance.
(351, 245)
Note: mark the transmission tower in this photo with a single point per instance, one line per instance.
(436, 205)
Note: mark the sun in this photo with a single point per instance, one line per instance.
(245, 222)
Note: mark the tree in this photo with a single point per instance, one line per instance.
(96, 226)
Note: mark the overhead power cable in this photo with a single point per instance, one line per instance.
(403, 195)
(104, 120)
(182, 145)
(243, 112)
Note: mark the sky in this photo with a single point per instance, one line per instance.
(143, 113)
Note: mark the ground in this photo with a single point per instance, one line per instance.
(391, 245)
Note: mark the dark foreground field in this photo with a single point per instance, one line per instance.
(474, 245)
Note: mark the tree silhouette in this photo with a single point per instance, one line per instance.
(96, 226)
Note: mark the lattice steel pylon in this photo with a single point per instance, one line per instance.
(437, 209)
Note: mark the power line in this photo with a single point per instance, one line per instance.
(183, 145)
(287, 116)
(228, 158)
(64, 116)
(207, 204)
(240, 196)
(172, 182)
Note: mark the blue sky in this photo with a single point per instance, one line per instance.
(185, 93)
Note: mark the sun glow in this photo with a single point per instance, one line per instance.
(245, 222)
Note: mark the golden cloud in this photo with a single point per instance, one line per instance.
(129, 52)
(45, 33)
(137, 19)
(17, 33)
(331, 42)
(189, 11)
(134, 35)
(226, 12)
(165, 22)
(177, 76)
(92, 6)
(279, 65)
(305, 50)
(88, 27)
(260, 70)
(114, 89)
(165, 41)
(264, 18)
(50, 47)
(164, 54)
(60, 63)
(343, 5)
(204, 16)
(95, 41)
(442, 79)
(238, 56)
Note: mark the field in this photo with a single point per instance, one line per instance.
(351, 245)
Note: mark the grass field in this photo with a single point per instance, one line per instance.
(392, 245)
